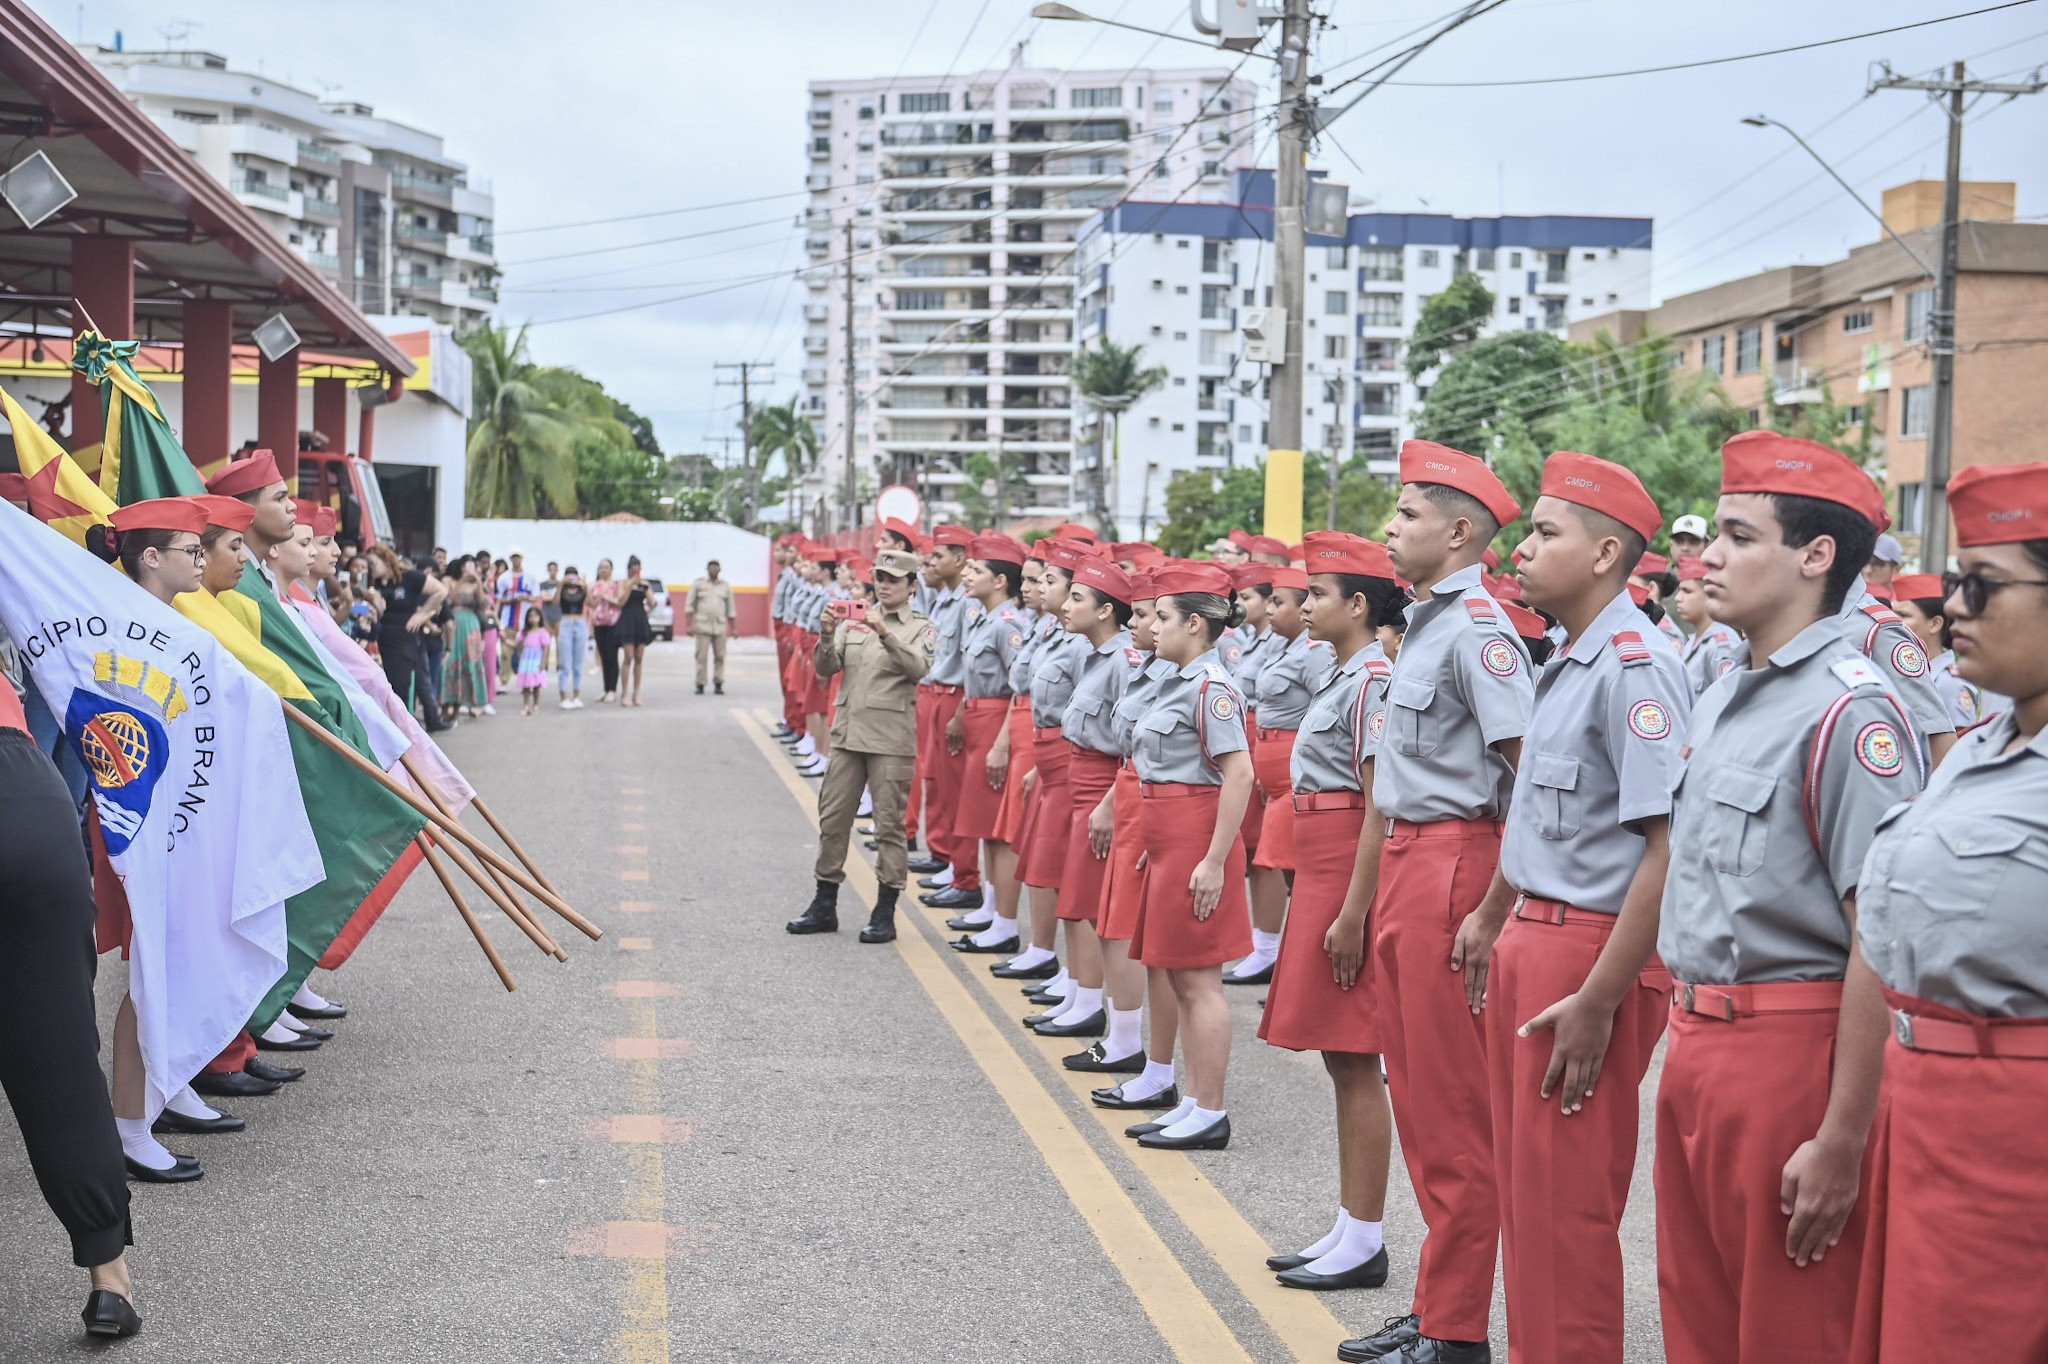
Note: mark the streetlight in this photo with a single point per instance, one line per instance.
(1068, 12)
(1765, 121)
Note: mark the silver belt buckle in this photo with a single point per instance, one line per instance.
(1685, 997)
(1902, 1028)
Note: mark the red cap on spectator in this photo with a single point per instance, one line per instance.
(250, 475)
(1528, 625)
(1691, 570)
(1917, 587)
(1106, 578)
(1250, 575)
(1424, 461)
(1651, 564)
(1603, 486)
(956, 537)
(1766, 462)
(230, 512)
(1268, 544)
(997, 548)
(1296, 578)
(1187, 577)
(1074, 530)
(1242, 539)
(160, 513)
(1336, 551)
(1999, 504)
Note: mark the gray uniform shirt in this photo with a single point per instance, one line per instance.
(1964, 700)
(1599, 759)
(1897, 652)
(1778, 792)
(949, 616)
(1245, 655)
(1196, 716)
(1950, 904)
(785, 581)
(1027, 653)
(1100, 679)
(1340, 733)
(1139, 689)
(1054, 669)
(1289, 680)
(992, 641)
(1461, 685)
(1713, 651)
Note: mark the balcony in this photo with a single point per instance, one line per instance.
(818, 246)
(430, 238)
(814, 376)
(483, 293)
(821, 118)
(322, 260)
(419, 185)
(816, 312)
(315, 151)
(821, 146)
(261, 189)
(326, 210)
(815, 345)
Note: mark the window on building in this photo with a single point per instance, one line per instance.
(1916, 406)
(1163, 104)
(1514, 303)
(1855, 414)
(1749, 350)
(1096, 97)
(1249, 296)
(1752, 415)
(1215, 302)
(1589, 256)
(1334, 257)
(1375, 442)
(1859, 321)
(931, 102)
(1333, 347)
(1375, 357)
(1180, 426)
(1180, 288)
(1379, 263)
(1212, 256)
(1333, 391)
(1180, 336)
(1713, 357)
(1336, 302)
(1380, 310)
(1514, 260)
(1428, 258)
(1553, 313)
(1180, 381)
(1911, 499)
(1379, 400)
(867, 111)
(1483, 258)
(1244, 434)
(920, 300)
(1919, 314)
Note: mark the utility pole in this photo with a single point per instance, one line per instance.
(752, 475)
(1290, 261)
(1941, 321)
(852, 397)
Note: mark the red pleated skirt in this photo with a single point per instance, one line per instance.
(1254, 808)
(1177, 822)
(1042, 837)
(1089, 776)
(1272, 759)
(1305, 1009)
(1123, 882)
(978, 813)
(1010, 814)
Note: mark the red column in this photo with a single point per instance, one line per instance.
(330, 412)
(209, 378)
(366, 432)
(103, 280)
(277, 411)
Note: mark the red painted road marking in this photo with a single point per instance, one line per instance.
(640, 989)
(648, 1048)
(636, 944)
(642, 1129)
(631, 850)
(636, 906)
(633, 874)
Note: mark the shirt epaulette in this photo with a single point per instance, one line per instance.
(1132, 656)
(1879, 612)
(1856, 672)
(1482, 610)
(1379, 668)
(1629, 647)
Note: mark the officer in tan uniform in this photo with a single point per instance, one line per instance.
(713, 617)
(882, 651)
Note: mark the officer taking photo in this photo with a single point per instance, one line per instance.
(881, 652)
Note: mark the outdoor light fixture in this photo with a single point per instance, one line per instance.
(1051, 11)
(1329, 208)
(276, 337)
(35, 189)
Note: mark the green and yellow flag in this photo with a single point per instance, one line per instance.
(58, 493)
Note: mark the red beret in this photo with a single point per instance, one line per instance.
(997, 548)
(1242, 539)
(1639, 594)
(1766, 462)
(1603, 486)
(897, 526)
(160, 513)
(250, 475)
(307, 509)
(1528, 625)
(1506, 589)
(1918, 587)
(957, 537)
(1651, 564)
(1424, 461)
(1336, 551)
(1071, 530)
(1491, 557)
(1296, 578)
(1067, 554)
(1691, 570)
(1881, 591)
(1187, 577)
(1106, 578)
(1141, 585)
(231, 512)
(326, 520)
(1250, 575)
(1999, 504)
(1268, 544)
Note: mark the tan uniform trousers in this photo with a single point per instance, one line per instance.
(711, 647)
(887, 776)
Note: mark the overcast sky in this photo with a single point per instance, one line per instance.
(583, 111)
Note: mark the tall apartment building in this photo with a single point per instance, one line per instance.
(964, 195)
(1855, 332)
(1176, 279)
(377, 206)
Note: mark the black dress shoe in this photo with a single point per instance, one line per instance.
(264, 1070)
(107, 1313)
(1166, 1098)
(1094, 1025)
(1371, 1274)
(233, 1085)
(1045, 970)
(952, 897)
(700, 689)
(1260, 977)
(930, 882)
(1394, 1333)
(866, 831)
(872, 845)
(317, 1034)
(927, 866)
(1214, 1137)
(172, 1121)
(1276, 1263)
(1096, 1061)
(297, 1043)
(1033, 1020)
(1430, 1350)
(1144, 1129)
(1044, 999)
(186, 1170)
(329, 1010)
(960, 923)
(1007, 947)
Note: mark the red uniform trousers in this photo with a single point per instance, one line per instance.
(1959, 1188)
(236, 1055)
(1738, 1096)
(930, 742)
(1431, 877)
(792, 683)
(1563, 1180)
(949, 770)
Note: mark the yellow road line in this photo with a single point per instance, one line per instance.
(644, 1296)
(1180, 1312)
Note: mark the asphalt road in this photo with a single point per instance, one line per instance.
(702, 1139)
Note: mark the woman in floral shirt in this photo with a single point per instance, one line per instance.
(606, 593)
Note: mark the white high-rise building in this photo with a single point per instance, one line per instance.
(960, 199)
(1177, 279)
(378, 207)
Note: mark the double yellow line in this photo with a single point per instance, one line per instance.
(1183, 1315)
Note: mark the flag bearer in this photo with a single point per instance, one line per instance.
(939, 701)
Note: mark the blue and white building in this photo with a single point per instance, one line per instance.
(1177, 278)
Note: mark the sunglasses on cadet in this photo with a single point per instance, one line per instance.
(1976, 590)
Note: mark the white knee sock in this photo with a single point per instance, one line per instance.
(306, 999)
(190, 1105)
(1196, 1120)
(1126, 1033)
(1000, 930)
(1177, 1113)
(1082, 1002)
(944, 878)
(1329, 1239)
(1357, 1243)
(1157, 1079)
(1059, 985)
(1265, 945)
(1030, 957)
(286, 1020)
(139, 1146)
(278, 1032)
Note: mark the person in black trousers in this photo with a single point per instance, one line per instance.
(412, 605)
(49, 1041)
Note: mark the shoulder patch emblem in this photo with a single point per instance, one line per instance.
(1908, 659)
(1878, 748)
(1223, 706)
(1649, 720)
(1499, 658)
(1233, 653)
(1016, 639)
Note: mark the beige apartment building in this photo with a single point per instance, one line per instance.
(1855, 331)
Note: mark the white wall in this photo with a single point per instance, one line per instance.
(673, 551)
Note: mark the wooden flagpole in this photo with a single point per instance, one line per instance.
(505, 836)
(468, 914)
(503, 896)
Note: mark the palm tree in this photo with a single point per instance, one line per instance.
(1109, 379)
(778, 430)
(522, 438)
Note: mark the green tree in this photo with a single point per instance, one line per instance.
(1365, 500)
(989, 500)
(1202, 506)
(1109, 379)
(778, 431)
(1450, 321)
(1518, 375)
(522, 433)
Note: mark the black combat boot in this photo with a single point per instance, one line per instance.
(823, 914)
(882, 923)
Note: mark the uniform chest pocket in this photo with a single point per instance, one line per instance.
(1554, 792)
(1155, 734)
(1412, 724)
(1739, 818)
(1317, 721)
(1971, 864)
(1089, 705)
